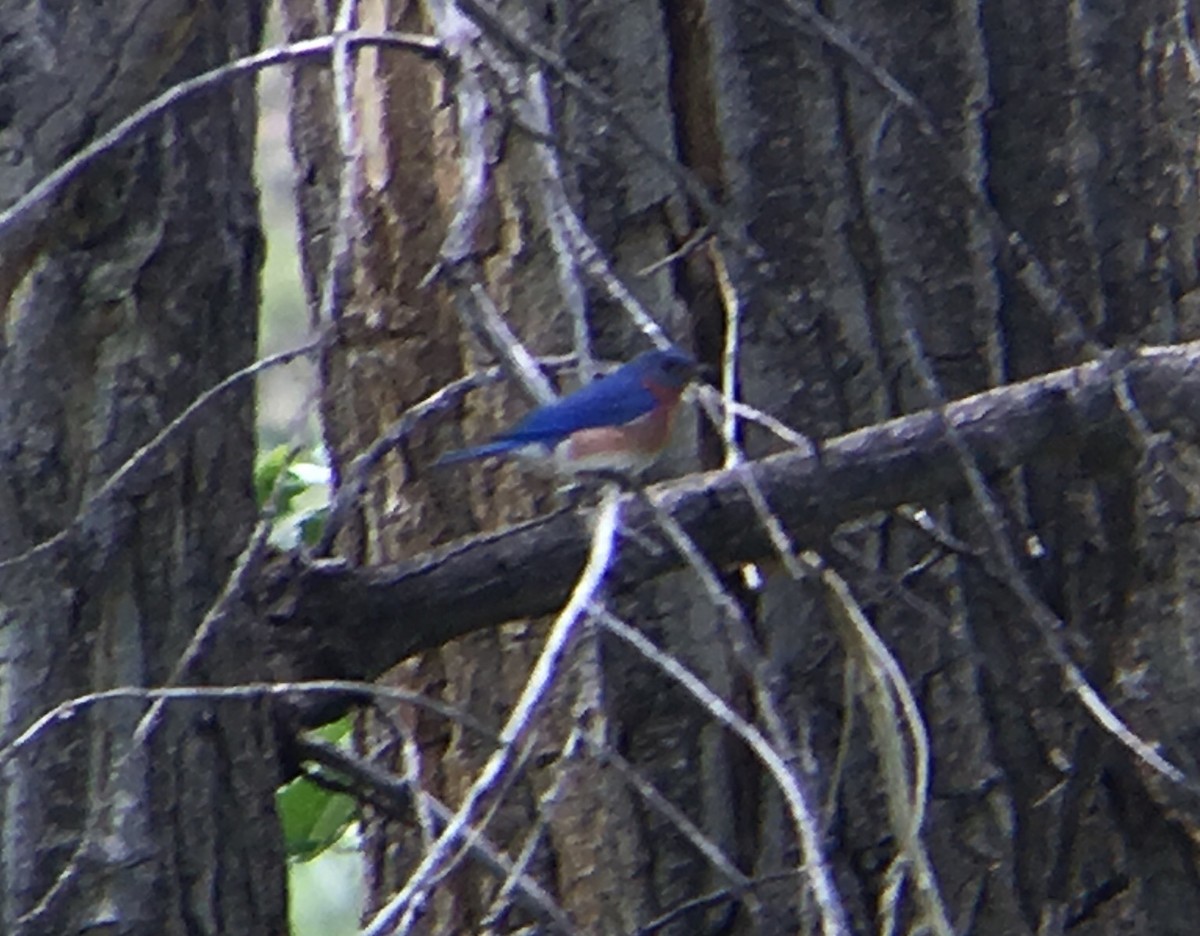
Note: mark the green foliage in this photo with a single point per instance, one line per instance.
(313, 817)
(271, 465)
(297, 491)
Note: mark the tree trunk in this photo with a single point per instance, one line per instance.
(1034, 203)
(126, 297)
(1076, 129)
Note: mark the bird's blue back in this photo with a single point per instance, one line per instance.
(652, 381)
(619, 398)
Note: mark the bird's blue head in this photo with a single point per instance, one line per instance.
(670, 369)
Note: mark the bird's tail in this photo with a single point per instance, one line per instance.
(470, 454)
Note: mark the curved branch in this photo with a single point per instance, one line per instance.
(357, 622)
(52, 183)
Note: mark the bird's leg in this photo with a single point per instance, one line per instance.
(582, 487)
(571, 494)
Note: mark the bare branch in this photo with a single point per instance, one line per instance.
(556, 208)
(599, 560)
(887, 688)
(141, 459)
(44, 190)
(1048, 624)
(527, 572)
(730, 356)
(475, 142)
(531, 50)
(335, 285)
(347, 688)
(1070, 330)
(395, 796)
(833, 915)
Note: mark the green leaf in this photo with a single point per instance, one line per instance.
(313, 817)
(312, 524)
(335, 732)
(298, 491)
(267, 478)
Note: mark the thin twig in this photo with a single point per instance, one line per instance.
(555, 209)
(728, 425)
(459, 37)
(711, 851)
(399, 798)
(740, 632)
(724, 895)
(519, 720)
(1050, 627)
(113, 484)
(74, 707)
(1029, 269)
(833, 915)
(53, 182)
(485, 319)
(245, 569)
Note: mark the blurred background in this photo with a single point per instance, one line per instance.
(326, 892)
(285, 394)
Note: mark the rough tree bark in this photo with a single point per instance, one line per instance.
(125, 299)
(1035, 203)
(1077, 125)
(895, 272)
(401, 340)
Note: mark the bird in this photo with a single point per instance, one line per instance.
(619, 423)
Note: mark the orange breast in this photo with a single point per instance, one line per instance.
(641, 438)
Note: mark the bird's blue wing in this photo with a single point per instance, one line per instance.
(477, 451)
(619, 398)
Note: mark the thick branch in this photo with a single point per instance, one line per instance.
(357, 622)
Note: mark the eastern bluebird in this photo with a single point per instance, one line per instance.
(617, 423)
